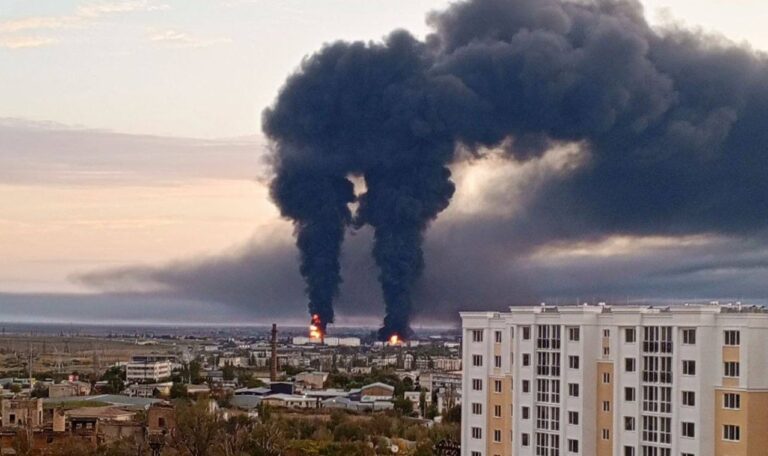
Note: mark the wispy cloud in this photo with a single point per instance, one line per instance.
(103, 8)
(24, 42)
(183, 39)
(81, 16)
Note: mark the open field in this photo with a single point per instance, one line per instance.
(65, 354)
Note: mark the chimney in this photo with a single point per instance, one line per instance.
(273, 363)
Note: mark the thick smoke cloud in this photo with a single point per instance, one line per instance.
(673, 123)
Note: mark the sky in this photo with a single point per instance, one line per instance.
(132, 162)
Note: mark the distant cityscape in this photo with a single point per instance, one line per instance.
(104, 385)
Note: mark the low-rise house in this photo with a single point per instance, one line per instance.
(109, 413)
(67, 389)
(357, 406)
(161, 419)
(291, 401)
(149, 389)
(260, 391)
(246, 403)
(376, 392)
(136, 403)
(198, 390)
(22, 412)
(311, 380)
(234, 361)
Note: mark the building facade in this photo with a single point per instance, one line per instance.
(616, 381)
(143, 371)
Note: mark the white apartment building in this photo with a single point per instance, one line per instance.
(616, 380)
(147, 371)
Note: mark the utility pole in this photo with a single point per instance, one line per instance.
(30, 360)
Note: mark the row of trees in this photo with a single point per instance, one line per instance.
(201, 433)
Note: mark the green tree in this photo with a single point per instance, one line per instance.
(403, 406)
(228, 371)
(453, 415)
(115, 379)
(190, 372)
(431, 411)
(178, 391)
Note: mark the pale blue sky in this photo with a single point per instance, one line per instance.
(206, 68)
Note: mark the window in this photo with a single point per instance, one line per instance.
(497, 411)
(526, 386)
(629, 423)
(689, 367)
(573, 334)
(732, 338)
(606, 406)
(477, 433)
(606, 434)
(477, 384)
(630, 336)
(629, 394)
(629, 451)
(161, 422)
(573, 446)
(689, 429)
(525, 440)
(497, 386)
(731, 369)
(497, 361)
(573, 418)
(606, 377)
(573, 389)
(689, 398)
(731, 432)
(477, 360)
(477, 408)
(606, 333)
(477, 453)
(477, 335)
(526, 359)
(497, 435)
(526, 332)
(525, 412)
(732, 400)
(606, 351)
(573, 362)
(689, 336)
(629, 364)
(497, 336)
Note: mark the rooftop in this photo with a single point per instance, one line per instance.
(714, 307)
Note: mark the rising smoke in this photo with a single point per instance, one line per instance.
(672, 122)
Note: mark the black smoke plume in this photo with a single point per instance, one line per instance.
(673, 124)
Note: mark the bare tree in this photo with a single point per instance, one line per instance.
(197, 429)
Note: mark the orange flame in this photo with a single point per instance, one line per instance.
(315, 333)
(394, 339)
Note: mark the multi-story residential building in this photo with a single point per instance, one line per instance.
(147, 371)
(605, 380)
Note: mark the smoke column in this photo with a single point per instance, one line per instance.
(672, 123)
